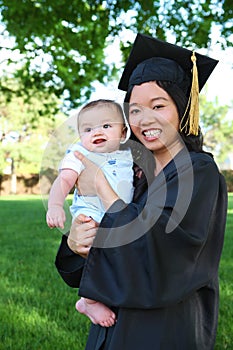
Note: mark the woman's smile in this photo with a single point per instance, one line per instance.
(153, 117)
(151, 134)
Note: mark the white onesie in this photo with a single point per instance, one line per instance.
(118, 169)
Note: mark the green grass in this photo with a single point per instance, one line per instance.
(37, 308)
(225, 329)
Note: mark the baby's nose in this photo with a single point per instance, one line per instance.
(97, 130)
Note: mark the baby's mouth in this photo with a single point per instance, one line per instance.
(98, 141)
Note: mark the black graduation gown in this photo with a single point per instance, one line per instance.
(163, 285)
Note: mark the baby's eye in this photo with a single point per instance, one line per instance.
(87, 130)
(106, 126)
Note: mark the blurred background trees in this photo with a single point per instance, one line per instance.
(62, 43)
(52, 53)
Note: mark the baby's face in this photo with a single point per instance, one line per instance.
(101, 129)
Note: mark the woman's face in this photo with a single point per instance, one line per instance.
(153, 118)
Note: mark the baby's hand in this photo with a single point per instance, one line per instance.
(55, 217)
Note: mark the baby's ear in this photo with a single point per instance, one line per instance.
(125, 135)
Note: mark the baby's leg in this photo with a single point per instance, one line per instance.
(97, 312)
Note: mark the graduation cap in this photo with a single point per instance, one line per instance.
(152, 59)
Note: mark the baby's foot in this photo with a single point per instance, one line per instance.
(97, 312)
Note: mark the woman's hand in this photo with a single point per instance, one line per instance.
(89, 178)
(92, 181)
(82, 233)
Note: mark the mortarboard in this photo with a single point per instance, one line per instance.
(153, 59)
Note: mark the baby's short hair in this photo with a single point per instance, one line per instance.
(102, 102)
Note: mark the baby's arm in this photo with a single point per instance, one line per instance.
(60, 189)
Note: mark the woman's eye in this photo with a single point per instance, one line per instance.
(135, 111)
(158, 106)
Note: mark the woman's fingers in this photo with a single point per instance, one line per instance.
(82, 158)
(82, 234)
(81, 219)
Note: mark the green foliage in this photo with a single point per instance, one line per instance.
(228, 174)
(54, 151)
(33, 122)
(62, 42)
(57, 50)
(217, 128)
(36, 305)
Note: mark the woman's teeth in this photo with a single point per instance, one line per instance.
(151, 133)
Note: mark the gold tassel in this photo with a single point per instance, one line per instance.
(193, 120)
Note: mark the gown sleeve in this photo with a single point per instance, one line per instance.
(158, 255)
(69, 265)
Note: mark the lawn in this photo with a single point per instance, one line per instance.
(37, 308)
(225, 329)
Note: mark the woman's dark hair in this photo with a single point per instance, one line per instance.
(192, 142)
(141, 155)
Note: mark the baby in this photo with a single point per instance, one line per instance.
(102, 129)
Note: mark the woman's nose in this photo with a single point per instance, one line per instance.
(148, 116)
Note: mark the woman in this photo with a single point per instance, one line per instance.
(155, 261)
